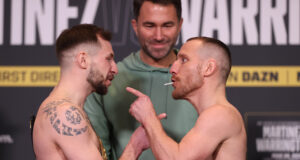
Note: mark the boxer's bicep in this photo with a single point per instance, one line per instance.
(74, 136)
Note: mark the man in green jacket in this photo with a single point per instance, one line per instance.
(157, 25)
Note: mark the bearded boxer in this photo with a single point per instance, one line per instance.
(62, 129)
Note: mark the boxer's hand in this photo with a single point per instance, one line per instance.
(139, 138)
(142, 108)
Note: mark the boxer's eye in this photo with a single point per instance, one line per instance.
(184, 60)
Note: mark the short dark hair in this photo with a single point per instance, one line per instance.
(226, 52)
(137, 4)
(82, 33)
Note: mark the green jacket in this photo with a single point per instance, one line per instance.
(110, 116)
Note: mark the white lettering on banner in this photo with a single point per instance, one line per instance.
(41, 16)
(6, 138)
(64, 13)
(281, 131)
(279, 136)
(215, 18)
(235, 22)
(280, 145)
(294, 22)
(90, 11)
(1, 21)
(244, 18)
(273, 15)
(192, 16)
(286, 156)
(16, 29)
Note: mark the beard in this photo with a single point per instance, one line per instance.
(162, 53)
(180, 92)
(96, 80)
(183, 89)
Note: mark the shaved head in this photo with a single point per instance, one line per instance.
(217, 50)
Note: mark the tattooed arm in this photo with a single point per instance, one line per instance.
(71, 132)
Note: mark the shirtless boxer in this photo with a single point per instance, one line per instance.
(62, 129)
(199, 75)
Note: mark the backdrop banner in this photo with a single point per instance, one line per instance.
(263, 36)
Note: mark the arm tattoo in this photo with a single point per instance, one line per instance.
(73, 115)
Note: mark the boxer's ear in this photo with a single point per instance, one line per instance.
(81, 59)
(209, 67)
